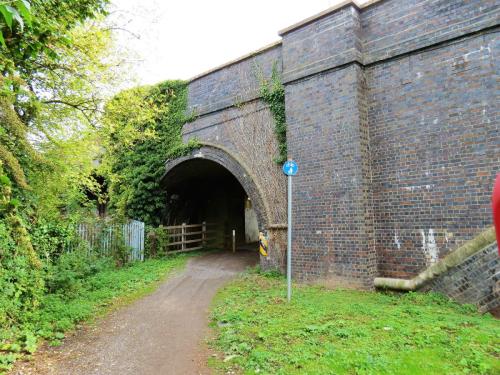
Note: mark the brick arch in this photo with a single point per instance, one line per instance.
(236, 167)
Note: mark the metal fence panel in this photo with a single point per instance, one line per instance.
(105, 238)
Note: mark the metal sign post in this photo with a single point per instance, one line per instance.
(290, 169)
(495, 202)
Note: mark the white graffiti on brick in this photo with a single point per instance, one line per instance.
(429, 246)
(396, 240)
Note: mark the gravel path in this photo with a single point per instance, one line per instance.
(160, 334)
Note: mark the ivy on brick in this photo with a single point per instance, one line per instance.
(272, 92)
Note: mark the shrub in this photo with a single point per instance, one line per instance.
(66, 274)
(50, 238)
(157, 241)
(21, 279)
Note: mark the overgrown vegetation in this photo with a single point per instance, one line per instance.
(157, 242)
(272, 92)
(51, 55)
(21, 278)
(67, 146)
(80, 288)
(58, 67)
(142, 129)
(348, 332)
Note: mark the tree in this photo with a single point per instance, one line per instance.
(47, 53)
(36, 37)
(69, 116)
(14, 13)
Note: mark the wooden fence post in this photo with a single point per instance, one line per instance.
(234, 240)
(183, 236)
(153, 244)
(204, 234)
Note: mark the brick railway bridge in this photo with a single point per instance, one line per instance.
(392, 115)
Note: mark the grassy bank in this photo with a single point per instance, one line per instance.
(348, 332)
(93, 296)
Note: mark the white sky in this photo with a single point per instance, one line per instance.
(183, 38)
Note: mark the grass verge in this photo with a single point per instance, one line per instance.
(347, 332)
(97, 295)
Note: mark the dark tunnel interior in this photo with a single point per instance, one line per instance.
(201, 190)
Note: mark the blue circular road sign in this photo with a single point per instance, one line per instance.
(290, 168)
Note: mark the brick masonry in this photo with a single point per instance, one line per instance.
(333, 233)
(393, 117)
(476, 280)
(435, 145)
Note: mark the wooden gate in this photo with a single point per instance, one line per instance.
(190, 237)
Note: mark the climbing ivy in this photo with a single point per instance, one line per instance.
(273, 93)
(142, 130)
(21, 279)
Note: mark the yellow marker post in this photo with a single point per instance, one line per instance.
(263, 244)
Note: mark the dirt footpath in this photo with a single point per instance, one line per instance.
(162, 333)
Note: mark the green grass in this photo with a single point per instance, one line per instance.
(98, 294)
(347, 332)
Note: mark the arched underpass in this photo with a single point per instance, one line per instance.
(201, 190)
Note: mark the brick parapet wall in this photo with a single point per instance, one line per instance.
(233, 85)
(395, 27)
(475, 281)
(381, 31)
(327, 43)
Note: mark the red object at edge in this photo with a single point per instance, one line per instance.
(495, 201)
